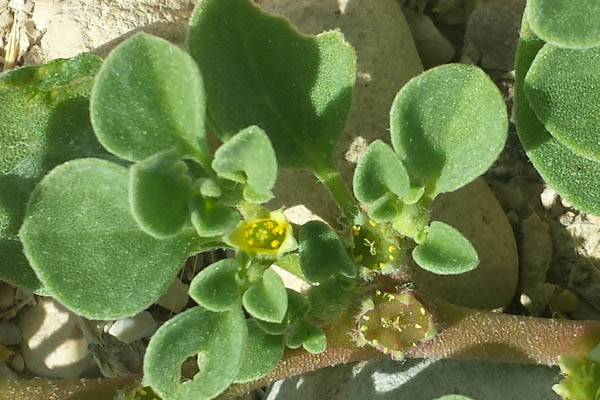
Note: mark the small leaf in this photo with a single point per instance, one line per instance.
(385, 208)
(291, 263)
(87, 249)
(322, 253)
(267, 300)
(331, 299)
(412, 219)
(378, 172)
(215, 287)
(307, 335)
(263, 352)
(298, 307)
(565, 23)
(445, 251)
(149, 97)
(448, 125)
(209, 188)
(248, 158)
(159, 192)
(215, 337)
(211, 218)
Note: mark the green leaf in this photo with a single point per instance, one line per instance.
(562, 89)
(378, 172)
(331, 299)
(159, 192)
(249, 158)
(209, 188)
(87, 249)
(219, 339)
(291, 263)
(565, 23)
(215, 287)
(267, 300)
(211, 218)
(259, 70)
(298, 307)
(575, 177)
(263, 352)
(307, 335)
(322, 253)
(149, 97)
(448, 125)
(385, 208)
(445, 251)
(44, 121)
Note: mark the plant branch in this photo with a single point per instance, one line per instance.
(330, 177)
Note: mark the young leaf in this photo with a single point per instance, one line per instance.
(263, 352)
(562, 89)
(159, 192)
(259, 70)
(307, 335)
(219, 339)
(378, 172)
(448, 125)
(44, 121)
(267, 300)
(211, 218)
(149, 97)
(385, 208)
(565, 23)
(298, 307)
(215, 287)
(445, 251)
(87, 249)
(248, 158)
(322, 253)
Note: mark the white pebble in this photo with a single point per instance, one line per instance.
(176, 297)
(133, 328)
(548, 197)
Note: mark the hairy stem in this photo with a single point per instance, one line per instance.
(330, 177)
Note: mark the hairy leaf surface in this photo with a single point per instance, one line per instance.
(263, 352)
(267, 300)
(215, 287)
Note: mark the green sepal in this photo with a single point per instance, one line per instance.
(249, 158)
(385, 208)
(412, 219)
(207, 187)
(215, 287)
(263, 352)
(445, 251)
(307, 335)
(211, 218)
(298, 307)
(322, 253)
(149, 97)
(267, 300)
(379, 172)
(159, 192)
(215, 337)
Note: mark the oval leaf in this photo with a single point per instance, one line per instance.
(385, 208)
(448, 125)
(378, 172)
(297, 88)
(298, 307)
(87, 249)
(248, 158)
(215, 287)
(307, 335)
(159, 192)
(219, 339)
(445, 251)
(149, 97)
(210, 218)
(565, 23)
(322, 253)
(267, 300)
(263, 352)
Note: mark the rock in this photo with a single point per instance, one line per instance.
(10, 333)
(433, 47)
(476, 213)
(53, 345)
(133, 328)
(549, 197)
(176, 296)
(7, 373)
(7, 296)
(17, 363)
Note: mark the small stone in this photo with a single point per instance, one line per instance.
(7, 373)
(548, 197)
(17, 363)
(7, 296)
(176, 296)
(134, 328)
(565, 203)
(10, 333)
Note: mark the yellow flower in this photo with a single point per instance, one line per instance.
(271, 236)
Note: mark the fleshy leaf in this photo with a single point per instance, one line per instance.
(562, 89)
(378, 172)
(211, 218)
(331, 298)
(448, 125)
(248, 158)
(44, 121)
(575, 177)
(215, 287)
(87, 249)
(445, 251)
(209, 188)
(565, 23)
(259, 70)
(159, 193)
(267, 300)
(219, 339)
(298, 307)
(149, 97)
(322, 253)
(263, 352)
(385, 208)
(307, 335)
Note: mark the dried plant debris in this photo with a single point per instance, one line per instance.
(18, 31)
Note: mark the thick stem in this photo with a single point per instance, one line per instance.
(330, 177)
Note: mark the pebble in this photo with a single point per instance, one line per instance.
(176, 297)
(133, 328)
(17, 363)
(548, 197)
(10, 333)
(7, 296)
(53, 345)
(433, 47)
(7, 373)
